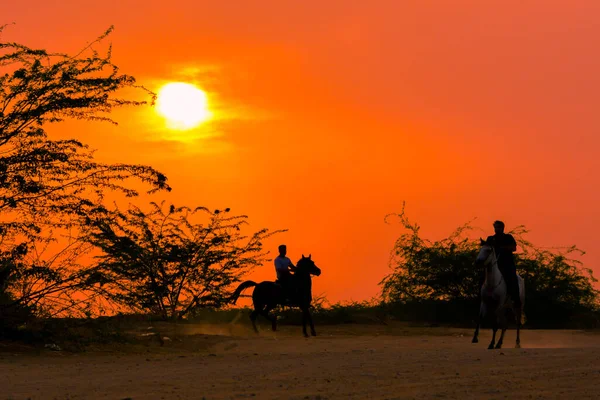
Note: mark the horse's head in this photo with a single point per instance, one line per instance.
(307, 265)
(486, 255)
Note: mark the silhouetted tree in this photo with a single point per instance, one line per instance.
(46, 183)
(168, 263)
(558, 287)
(53, 276)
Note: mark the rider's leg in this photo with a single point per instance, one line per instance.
(509, 272)
(287, 286)
(513, 284)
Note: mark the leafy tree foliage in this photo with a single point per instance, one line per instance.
(47, 184)
(172, 261)
(558, 286)
(41, 176)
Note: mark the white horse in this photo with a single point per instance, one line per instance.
(494, 297)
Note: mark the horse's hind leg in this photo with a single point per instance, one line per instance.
(518, 314)
(253, 316)
(273, 319)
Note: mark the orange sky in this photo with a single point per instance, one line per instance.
(334, 113)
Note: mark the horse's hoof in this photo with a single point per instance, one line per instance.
(498, 346)
(314, 333)
(518, 346)
(491, 347)
(306, 335)
(475, 340)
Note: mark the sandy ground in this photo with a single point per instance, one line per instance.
(343, 362)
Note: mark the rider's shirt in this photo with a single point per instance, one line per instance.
(505, 257)
(282, 265)
(502, 240)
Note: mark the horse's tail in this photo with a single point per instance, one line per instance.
(243, 286)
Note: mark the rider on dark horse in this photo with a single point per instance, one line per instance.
(284, 269)
(505, 245)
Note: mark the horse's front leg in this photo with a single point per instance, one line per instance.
(502, 321)
(500, 341)
(304, 318)
(310, 321)
(479, 318)
(494, 330)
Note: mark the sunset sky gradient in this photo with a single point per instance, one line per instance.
(330, 114)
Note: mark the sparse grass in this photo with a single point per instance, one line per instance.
(428, 313)
(123, 333)
(133, 333)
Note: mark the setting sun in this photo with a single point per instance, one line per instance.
(183, 105)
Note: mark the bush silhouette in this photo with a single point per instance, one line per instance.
(440, 274)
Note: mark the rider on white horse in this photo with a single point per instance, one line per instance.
(505, 245)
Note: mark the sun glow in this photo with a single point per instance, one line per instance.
(183, 105)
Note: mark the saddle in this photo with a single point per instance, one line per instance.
(289, 291)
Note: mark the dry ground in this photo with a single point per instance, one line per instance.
(343, 362)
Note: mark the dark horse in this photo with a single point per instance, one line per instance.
(268, 295)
